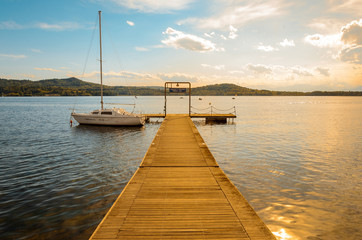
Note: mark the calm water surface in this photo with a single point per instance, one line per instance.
(296, 160)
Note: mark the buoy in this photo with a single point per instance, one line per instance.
(71, 122)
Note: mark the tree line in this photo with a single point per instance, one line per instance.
(77, 87)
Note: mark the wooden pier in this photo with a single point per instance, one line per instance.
(220, 118)
(179, 192)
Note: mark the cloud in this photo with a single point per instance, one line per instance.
(113, 78)
(134, 76)
(223, 37)
(348, 41)
(259, 68)
(351, 54)
(237, 14)
(216, 67)
(323, 71)
(59, 26)
(209, 35)
(350, 6)
(141, 49)
(178, 77)
(13, 56)
(267, 48)
(232, 33)
(352, 33)
(11, 25)
(178, 39)
(130, 23)
(352, 38)
(287, 43)
(301, 72)
(319, 40)
(41, 25)
(278, 71)
(36, 50)
(326, 25)
(47, 69)
(160, 6)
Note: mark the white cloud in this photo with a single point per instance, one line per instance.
(59, 26)
(36, 50)
(41, 25)
(47, 69)
(326, 25)
(352, 33)
(352, 38)
(323, 71)
(350, 6)
(13, 56)
(141, 49)
(259, 68)
(236, 13)
(348, 41)
(113, 78)
(236, 72)
(161, 6)
(282, 72)
(351, 54)
(232, 34)
(10, 25)
(287, 43)
(178, 39)
(130, 23)
(319, 40)
(216, 67)
(210, 35)
(178, 77)
(267, 48)
(223, 37)
(300, 71)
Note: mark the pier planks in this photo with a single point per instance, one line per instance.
(179, 192)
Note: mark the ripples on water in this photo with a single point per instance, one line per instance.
(296, 159)
(57, 182)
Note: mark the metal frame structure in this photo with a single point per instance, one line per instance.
(176, 85)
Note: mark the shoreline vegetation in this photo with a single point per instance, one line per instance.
(76, 87)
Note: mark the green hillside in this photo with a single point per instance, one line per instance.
(77, 87)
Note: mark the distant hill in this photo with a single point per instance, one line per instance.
(76, 87)
(68, 87)
(232, 89)
(227, 89)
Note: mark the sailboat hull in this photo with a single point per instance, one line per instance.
(125, 120)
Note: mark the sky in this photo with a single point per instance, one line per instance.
(271, 44)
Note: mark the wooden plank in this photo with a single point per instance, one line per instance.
(179, 192)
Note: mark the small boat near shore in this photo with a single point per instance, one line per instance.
(112, 116)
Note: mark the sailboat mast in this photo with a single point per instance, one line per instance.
(100, 56)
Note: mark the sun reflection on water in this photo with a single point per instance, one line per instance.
(283, 235)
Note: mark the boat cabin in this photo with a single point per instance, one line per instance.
(110, 112)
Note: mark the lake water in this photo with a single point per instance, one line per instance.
(297, 160)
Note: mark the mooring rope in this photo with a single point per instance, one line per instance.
(211, 110)
(201, 109)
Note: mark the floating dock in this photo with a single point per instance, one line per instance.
(220, 118)
(179, 192)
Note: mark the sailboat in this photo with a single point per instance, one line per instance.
(108, 117)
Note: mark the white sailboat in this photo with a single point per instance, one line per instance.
(108, 117)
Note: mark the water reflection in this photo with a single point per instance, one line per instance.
(295, 159)
(282, 235)
(302, 156)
